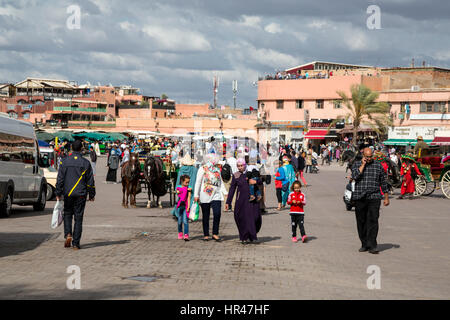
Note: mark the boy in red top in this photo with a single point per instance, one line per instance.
(297, 200)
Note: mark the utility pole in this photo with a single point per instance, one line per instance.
(235, 89)
(215, 90)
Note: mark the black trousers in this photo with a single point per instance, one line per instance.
(74, 209)
(279, 195)
(298, 220)
(206, 211)
(367, 214)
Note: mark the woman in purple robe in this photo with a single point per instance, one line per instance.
(247, 215)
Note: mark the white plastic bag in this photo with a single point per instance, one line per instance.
(57, 217)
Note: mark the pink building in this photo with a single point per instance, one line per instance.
(297, 108)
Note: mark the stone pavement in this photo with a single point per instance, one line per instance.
(413, 239)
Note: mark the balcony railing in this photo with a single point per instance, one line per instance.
(102, 110)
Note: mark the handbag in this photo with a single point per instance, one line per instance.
(57, 217)
(194, 212)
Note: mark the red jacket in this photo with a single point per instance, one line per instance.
(278, 183)
(296, 208)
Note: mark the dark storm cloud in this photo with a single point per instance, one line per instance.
(176, 47)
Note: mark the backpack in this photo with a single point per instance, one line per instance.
(226, 172)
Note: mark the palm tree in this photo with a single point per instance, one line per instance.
(364, 109)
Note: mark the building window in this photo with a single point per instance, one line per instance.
(26, 115)
(280, 104)
(435, 107)
(156, 114)
(103, 91)
(402, 106)
(319, 104)
(338, 104)
(299, 104)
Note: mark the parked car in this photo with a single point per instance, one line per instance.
(48, 158)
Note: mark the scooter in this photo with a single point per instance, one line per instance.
(349, 189)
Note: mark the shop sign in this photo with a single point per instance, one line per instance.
(325, 123)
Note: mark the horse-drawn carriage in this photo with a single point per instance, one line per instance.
(434, 172)
(158, 175)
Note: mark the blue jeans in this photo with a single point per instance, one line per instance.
(182, 219)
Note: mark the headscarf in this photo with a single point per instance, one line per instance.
(241, 161)
(211, 159)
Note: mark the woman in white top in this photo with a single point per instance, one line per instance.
(210, 190)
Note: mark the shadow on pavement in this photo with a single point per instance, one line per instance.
(387, 246)
(103, 244)
(267, 239)
(27, 212)
(24, 291)
(16, 243)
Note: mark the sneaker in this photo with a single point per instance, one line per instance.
(186, 237)
(294, 239)
(304, 239)
(180, 236)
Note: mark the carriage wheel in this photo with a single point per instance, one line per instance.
(445, 184)
(421, 186)
(430, 188)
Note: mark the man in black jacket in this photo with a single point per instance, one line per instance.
(75, 181)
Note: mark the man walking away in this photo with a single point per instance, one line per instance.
(369, 176)
(75, 181)
(93, 156)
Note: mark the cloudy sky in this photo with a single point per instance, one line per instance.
(177, 46)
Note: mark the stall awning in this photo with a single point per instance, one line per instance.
(403, 142)
(441, 141)
(316, 134)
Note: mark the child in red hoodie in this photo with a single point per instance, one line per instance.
(297, 200)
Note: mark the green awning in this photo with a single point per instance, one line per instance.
(403, 142)
(64, 135)
(45, 136)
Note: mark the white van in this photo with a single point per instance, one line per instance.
(48, 165)
(22, 180)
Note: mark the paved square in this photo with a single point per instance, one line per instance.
(414, 260)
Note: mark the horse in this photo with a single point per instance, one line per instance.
(155, 180)
(393, 175)
(130, 180)
(348, 156)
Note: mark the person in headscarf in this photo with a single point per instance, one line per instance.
(209, 191)
(187, 169)
(290, 177)
(113, 164)
(247, 215)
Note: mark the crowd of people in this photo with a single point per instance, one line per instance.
(215, 175)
